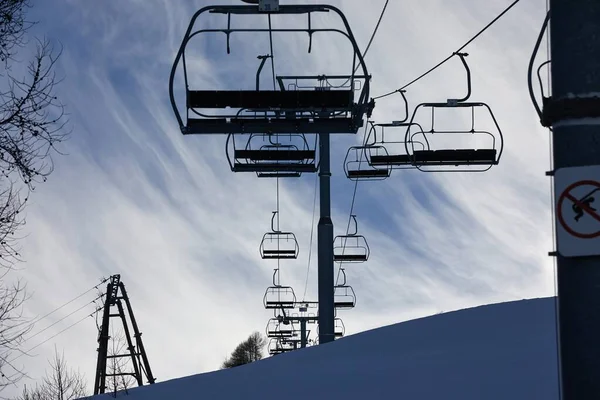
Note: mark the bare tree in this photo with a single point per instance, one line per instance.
(248, 351)
(60, 383)
(32, 123)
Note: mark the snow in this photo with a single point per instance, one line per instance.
(500, 351)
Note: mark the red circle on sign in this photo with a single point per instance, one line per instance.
(561, 199)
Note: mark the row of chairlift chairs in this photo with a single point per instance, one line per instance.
(406, 144)
(268, 130)
(283, 331)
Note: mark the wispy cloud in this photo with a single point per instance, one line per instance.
(137, 198)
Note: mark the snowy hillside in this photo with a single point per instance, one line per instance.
(501, 351)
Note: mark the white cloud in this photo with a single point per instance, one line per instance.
(136, 197)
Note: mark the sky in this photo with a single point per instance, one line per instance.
(134, 197)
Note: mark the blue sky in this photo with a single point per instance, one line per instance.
(135, 197)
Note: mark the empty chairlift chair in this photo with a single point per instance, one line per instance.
(279, 296)
(277, 245)
(271, 156)
(343, 294)
(278, 328)
(389, 147)
(351, 248)
(472, 149)
(358, 168)
(398, 153)
(317, 103)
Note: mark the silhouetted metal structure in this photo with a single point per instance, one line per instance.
(318, 104)
(116, 295)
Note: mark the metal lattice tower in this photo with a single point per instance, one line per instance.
(116, 298)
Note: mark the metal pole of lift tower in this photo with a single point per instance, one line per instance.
(574, 113)
(325, 244)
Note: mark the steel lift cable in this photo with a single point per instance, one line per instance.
(451, 55)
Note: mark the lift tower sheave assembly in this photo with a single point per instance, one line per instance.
(268, 129)
(573, 112)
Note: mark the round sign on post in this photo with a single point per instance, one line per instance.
(577, 194)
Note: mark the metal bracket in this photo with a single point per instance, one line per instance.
(569, 108)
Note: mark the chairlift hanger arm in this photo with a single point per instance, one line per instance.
(464, 62)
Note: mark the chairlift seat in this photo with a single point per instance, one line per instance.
(459, 156)
(271, 99)
(393, 159)
(281, 254)
(279, 304)
(279, 174)
(270, 125)
(275, 155)
(343, 304)
(350, 257)
(274, 167)
(369, 173)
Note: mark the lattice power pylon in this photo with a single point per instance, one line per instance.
(116, 301)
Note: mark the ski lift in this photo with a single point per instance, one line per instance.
(358, 168)
(398, 153)
(277, 244)
(316, 103)
(482, 149)
(351, 247)
(272, 156)
(343, 294)
(279, 296)
(278, 328)
(279, 346)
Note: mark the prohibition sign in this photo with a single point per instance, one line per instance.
(582, 205)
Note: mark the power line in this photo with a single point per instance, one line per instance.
(451, 55)
(69, 302)
(55, 335)
(62, 319)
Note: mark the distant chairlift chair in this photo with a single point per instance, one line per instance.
(277, 244)
(279, 296)
(351, 248)
(343, 294)
(272, 156)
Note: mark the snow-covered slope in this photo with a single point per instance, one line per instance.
(500, 351)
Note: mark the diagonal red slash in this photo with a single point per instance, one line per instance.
(585, 207)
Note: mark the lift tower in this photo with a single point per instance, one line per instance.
(315, 104)
(573, 112)
(116, 295)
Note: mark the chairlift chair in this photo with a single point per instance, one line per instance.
(278, 244)
(279, 296)
(358, 168)
(315, 105)
(271, 156)
(466, 159)
(277, 329)
(398, 153)
(351, 248)
(343, 294)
